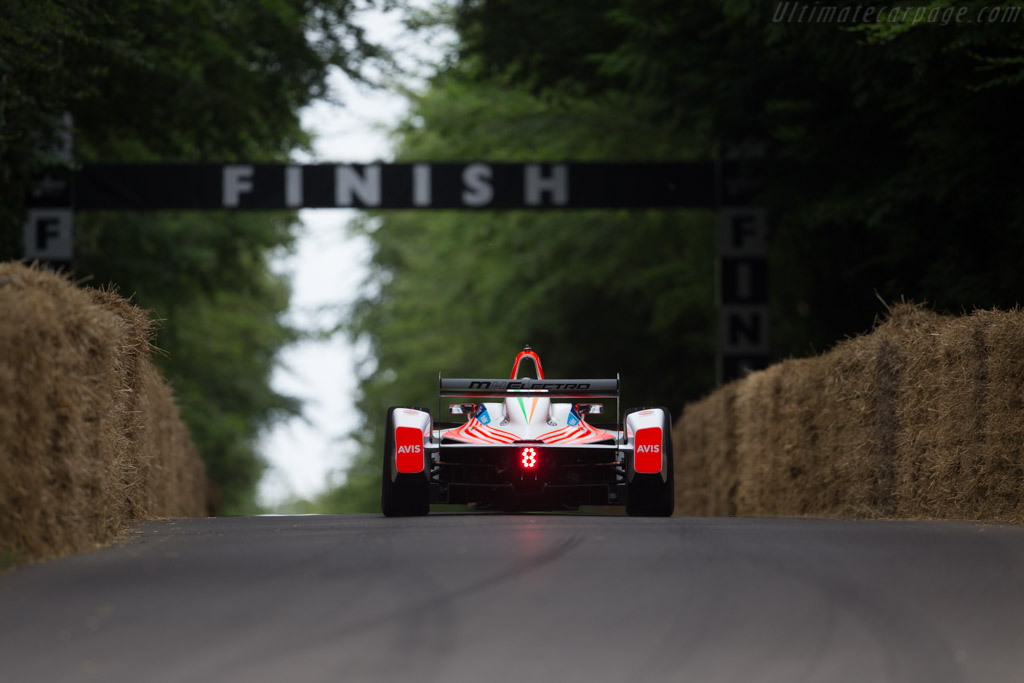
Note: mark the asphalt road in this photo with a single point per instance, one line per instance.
(524, 598)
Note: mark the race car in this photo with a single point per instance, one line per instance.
(522, 449)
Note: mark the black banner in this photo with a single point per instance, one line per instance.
(479, 185)
(742, 292)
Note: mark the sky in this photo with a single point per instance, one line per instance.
(326, 271)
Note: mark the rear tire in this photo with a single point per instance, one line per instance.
(647, 495)
(409, 494)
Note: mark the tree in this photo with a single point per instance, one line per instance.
(890, 146)
(171, 81)
(889, 171)
(226, 83)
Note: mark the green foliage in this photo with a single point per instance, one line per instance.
(359, 493)
(221, 331)
(890, 156)
(150, 81)
(180, 81)
(891, 149)
(9, 560)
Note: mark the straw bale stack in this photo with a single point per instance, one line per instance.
(90, 438)
(922, 418)
(706, 477)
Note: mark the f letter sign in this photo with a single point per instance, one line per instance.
(742, 292)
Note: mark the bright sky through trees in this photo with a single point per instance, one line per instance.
(326, 271)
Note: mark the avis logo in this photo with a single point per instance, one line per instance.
(649, 448)
(409, 449)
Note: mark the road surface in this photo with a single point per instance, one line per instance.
(524, 598)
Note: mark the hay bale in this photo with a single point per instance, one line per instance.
(958, 453)
(787, 441)
(704, 445)
(1002, 417)
(923, 417)
(937, 372)
(171, 477)
(961, 454)
(57, 402)
(74, 374)
(757, 442)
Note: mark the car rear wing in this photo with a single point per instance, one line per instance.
(552, 388)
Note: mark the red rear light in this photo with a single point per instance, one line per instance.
(528, 458)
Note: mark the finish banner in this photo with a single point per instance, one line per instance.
(478, 185)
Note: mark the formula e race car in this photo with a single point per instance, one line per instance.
(523, 450)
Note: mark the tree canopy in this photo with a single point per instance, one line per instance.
(179, 82)
(889, 145)
(887, 153)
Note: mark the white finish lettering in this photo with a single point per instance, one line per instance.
(293, 186)
(535, 184)
(476, 179)
(349, 185)
(236, 179)
(421, 185)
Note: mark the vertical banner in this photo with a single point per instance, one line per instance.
(49, 225)
(742, 287)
